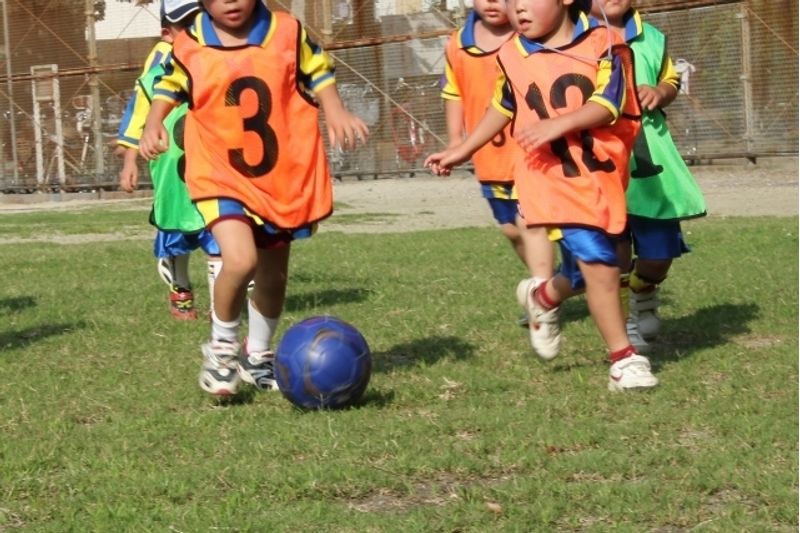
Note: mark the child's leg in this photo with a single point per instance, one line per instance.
(625, 256)
(173, 249)
(512, 233)
(629, 370)
(239, 259)
(602, 296)
(268, 297)
(537, 249)
(264, 310)
(219, 374)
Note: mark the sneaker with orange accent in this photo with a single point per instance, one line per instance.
(545, 331)
(181, 303)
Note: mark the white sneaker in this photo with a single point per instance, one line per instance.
(219, 375)
(545, 332)
(644, 311)
(633, 372)
(637, 341)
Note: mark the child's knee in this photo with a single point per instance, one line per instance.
(242, 266)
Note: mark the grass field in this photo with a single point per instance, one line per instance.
(104, 428)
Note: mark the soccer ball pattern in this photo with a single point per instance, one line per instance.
(323, 363)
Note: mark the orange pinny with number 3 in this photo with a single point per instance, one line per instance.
(251, 134)
(580, 178)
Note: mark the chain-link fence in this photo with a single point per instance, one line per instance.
(70, 66)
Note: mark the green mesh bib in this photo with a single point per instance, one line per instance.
(172, 210)
(661, 185)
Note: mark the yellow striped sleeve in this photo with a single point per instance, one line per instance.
(501, 99)
(450, 89)
(173, 85)
(316, 65)
(610, 87)
(669, 74)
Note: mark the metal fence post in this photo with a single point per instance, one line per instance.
(97, 119)
(747, 79)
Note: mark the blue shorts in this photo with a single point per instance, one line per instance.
(504, 211)
(656, 239)
(175, 243)
(266, 235)
(588, 246)
(502, 198)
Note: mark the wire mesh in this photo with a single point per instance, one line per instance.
(70, 66)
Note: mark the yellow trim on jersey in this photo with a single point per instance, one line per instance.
(497, 97)
(668, 74)
(317, 65)
(604, 72)
(451, 90)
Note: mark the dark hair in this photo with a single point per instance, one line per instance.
(578, 7)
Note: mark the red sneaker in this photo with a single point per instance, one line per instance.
(181, 303)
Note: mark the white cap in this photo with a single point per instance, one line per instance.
(173, 11)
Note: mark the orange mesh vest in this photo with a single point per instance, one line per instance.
(250, 134)
(578, 179)
(476, 76)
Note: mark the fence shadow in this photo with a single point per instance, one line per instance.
(10, 305)
(25, 337)
(705, 328)
(324, 298)
(428, 350)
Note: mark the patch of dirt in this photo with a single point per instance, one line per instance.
(404, 204)
(731, 188)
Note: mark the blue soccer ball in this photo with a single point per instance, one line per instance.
(322, 363)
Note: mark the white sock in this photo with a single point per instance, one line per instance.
(179, 265)
(214, 267)
(260, 329)
(224, 331)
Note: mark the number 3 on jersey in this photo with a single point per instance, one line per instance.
(257, 123)
(560, 147)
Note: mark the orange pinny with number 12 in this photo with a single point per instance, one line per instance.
(251, 134)
(580, 178)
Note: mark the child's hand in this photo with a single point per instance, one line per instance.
(129, 174)
(154, 141)
(532, 136)
(650, 97)
(345, 130)
(441, 163)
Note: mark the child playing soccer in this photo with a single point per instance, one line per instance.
(568, 90)
(255, 163)
(662, 191)
(467, 87)
(180, 226)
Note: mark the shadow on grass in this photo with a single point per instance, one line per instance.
(705, 328)
(20, 339)
(324, 298)
(428, 350)
(16, 304)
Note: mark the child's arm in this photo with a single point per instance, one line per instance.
(588, 116)
(345, 129)
(155, 139)
(657, 97)
(491, 124)
(129, 174)
(454, 119)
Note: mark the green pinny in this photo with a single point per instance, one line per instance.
(661, 186)
(173, 210)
